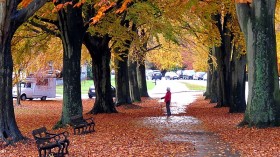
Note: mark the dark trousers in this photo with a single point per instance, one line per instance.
(168, 108)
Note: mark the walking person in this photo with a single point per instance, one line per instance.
(167, 100)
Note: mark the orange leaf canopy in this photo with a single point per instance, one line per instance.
(124, 6)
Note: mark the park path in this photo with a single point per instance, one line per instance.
(181, 128)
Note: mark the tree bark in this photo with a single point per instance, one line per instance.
(9, 131)
(207, 93)
(142, 83)
(227, 39)
(238, 83)
(222, 54)
(214, 82)
(257, 24)
(122, 85)
(10, 20)
(133, 83)
(72, 34)
(219, 77)
(101, 55)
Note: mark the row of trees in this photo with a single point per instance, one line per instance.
(77, 23)
(246, 28)
(124, 32)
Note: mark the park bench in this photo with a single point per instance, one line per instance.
(81, 125)
(51, 144)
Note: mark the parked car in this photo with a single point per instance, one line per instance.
(157, 76)
(171, 75)
(188, 74)
(91, 91)
(180, 74)
(199, 75)
(149, 74)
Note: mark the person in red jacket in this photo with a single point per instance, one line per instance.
(167, 100)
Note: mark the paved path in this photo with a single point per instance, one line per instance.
(182, 128)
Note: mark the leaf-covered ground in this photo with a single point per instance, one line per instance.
(121, 134)
(247, 141)
(118, 134)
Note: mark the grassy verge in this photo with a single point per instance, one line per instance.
(191, 86)
(84, 87)
(87, 83)
(150, 84)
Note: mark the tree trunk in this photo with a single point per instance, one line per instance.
(18, 92)
(257, 24)
(122, 85)
(238, 82)
(222, 54)
(9, 131)
(219, 77)
(101, 55)
(142, 83)
(214, 83)
(133, 83)
(72, 34)
(207, 93)
(10, 20)
(227, 39)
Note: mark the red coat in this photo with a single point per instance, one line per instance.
(167, 96)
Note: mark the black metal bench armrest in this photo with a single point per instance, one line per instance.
(46, 138)
(65, 134)
(90, 120)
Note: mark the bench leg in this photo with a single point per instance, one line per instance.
(90, 128)
(65, 145)
(48, 152)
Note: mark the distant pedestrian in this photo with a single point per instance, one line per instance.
(167, 100)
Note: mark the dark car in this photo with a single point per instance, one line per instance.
(156, 76)
(91, 91)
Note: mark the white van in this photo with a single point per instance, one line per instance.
(33, 88)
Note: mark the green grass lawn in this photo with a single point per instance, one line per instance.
(194, 86)
(87, 83)
(150, 84)
(84, 87)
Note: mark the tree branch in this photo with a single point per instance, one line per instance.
(22, 15)
(44, 28)
(153, 48)
(54, 22)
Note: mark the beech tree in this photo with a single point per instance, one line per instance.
(256, 20)
(12, 15)
(72, 34)
(99, 50)
(223, 42)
